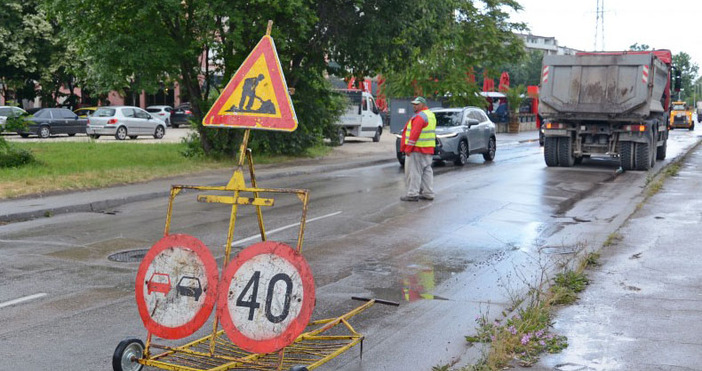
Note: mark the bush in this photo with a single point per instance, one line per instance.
(14, 157)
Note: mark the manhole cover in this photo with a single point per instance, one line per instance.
(129, 256)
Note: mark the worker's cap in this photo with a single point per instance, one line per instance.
(419, 100)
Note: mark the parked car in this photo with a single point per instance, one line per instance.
(85, 111)
(48, 121)
(33, 110)
(162, 113)
(9, 112)
(123, 122)
(460, 132)
(181, 115)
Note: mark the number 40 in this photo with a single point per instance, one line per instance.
(252, 302)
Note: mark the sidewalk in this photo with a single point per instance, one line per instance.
(356, 152)
(643, 307)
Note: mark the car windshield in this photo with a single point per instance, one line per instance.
(679, 108)
(104, 112)
(450, 118)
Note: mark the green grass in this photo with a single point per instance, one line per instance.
(523, 337)
(85, 165)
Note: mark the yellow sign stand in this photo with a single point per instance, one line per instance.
(214, 352)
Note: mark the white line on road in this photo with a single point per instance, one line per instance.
(283, 228)
(22, 299)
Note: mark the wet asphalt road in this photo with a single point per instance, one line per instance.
(493, 228)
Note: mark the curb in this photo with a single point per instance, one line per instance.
(109, 203)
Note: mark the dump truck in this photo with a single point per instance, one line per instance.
(681, 116)
(613, 104)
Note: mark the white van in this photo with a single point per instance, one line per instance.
(362, 117)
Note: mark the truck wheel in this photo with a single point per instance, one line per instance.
(565, 152)
(551, 151)
(661, 150)
(692, 126)
(642, 157)
(341, 135)
(626, 155)
(378, 133)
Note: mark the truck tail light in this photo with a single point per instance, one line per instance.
(640, 128)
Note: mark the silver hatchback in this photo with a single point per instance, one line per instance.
(461, 132)
(123, 122)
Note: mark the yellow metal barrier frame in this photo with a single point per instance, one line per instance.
(215, 352)
(311, 349)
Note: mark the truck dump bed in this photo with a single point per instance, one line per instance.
(624, 86)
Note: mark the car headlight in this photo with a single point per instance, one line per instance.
(450, 135)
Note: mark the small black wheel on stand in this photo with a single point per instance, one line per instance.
(126, 354)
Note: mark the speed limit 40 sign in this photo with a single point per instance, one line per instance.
(266, 297)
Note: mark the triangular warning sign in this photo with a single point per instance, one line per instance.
(257, 96)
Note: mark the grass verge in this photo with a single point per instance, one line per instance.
(523, 337)
(70, 166)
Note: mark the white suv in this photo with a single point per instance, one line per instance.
(162, 113)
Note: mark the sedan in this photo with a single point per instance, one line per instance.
(48, 121)
(123, 122)
(162, 113)
(460, 132)
(181, 115)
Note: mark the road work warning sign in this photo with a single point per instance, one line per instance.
(257, 95)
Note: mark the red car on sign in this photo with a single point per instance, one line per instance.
(159, 282)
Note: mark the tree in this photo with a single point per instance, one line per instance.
(24, 42)
(526, 71)
(133, 45)
(688, 71)
(641, 47)
(473, 38)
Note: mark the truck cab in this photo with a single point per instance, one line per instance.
(362, 117)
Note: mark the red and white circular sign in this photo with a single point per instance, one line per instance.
(176, 286)
(266, 297)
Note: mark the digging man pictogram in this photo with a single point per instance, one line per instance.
(248, 97)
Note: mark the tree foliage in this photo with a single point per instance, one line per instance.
(688, 71)
(639, 47)
(527, 70)
(25, 37)
(473, 36)
(129, 45)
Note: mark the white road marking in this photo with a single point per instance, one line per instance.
(22, 299)
(257, 236)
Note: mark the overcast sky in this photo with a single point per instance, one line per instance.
(674, 25)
